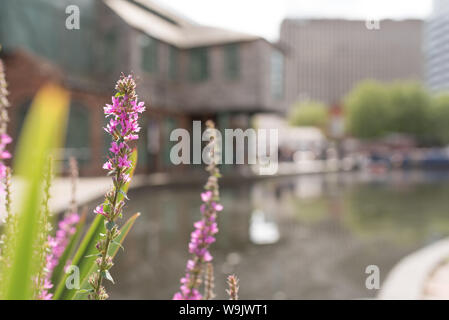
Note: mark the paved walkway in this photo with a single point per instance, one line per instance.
(437, 284)
(88, 189)
(414, 276)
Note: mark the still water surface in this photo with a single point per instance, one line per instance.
(305, 237)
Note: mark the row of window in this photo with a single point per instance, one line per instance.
(198, 68)
(198, 61)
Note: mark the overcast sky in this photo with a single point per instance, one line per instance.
(263, 17)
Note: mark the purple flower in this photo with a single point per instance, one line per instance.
(123, 162)
(107, 165)
(123, 126)
(138, 107)
(100, 210)
(5, 139)
(57, 245)
(116, 148)
(206, 196)
(131, 137)
(178, 296)
(201, 238)
(126, 178)
(217, 207)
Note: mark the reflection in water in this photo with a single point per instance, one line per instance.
(329, 228)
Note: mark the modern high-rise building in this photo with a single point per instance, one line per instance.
(326, 58)
(436, 46)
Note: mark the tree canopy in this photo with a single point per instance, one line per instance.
(366, 110)
(374, 109)
(308, 113)
(439, 115)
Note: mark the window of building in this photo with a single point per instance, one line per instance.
(277, 74)
(78, 133)
(231, 61)
(142, 154)
(199, 64)
(110, 50)
(173, 63)
(153, 143)
(149, 54)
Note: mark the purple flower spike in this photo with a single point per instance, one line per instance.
(202, 237)
(123, 126)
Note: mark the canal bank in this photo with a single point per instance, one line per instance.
(92, 188)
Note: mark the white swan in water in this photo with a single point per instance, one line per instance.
(262, 231)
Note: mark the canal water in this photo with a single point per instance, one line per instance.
(303, 237)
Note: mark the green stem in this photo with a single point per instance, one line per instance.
(108, 240)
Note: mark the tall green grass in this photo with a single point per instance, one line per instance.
(43, 133)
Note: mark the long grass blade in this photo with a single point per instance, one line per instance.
(43, 132)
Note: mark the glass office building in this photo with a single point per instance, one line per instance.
(436, 47)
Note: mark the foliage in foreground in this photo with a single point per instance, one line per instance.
(37, 262)
(24, 248)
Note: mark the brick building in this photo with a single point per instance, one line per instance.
(185, 71)
(326, 58)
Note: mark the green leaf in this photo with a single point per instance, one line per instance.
(107, 275)
(87, 246)
(106, 207)
(123, 194)
(58, 272)
(82, 257)
(119, 244)
(42, 133)
(113, 249)
(86, 291)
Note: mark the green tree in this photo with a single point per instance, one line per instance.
(310, 113)
(374, 110)
(440, 118)
(410, 106)
(367, 110)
